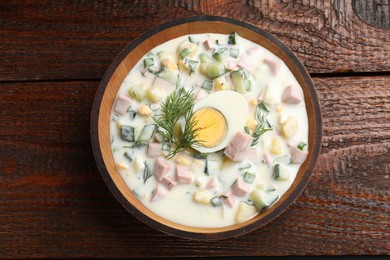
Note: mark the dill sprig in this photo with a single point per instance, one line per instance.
(178, 105)
(260, 115)
(147, 172)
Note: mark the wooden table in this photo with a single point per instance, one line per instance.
(53, 200)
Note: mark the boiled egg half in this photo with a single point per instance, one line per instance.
(219, 116)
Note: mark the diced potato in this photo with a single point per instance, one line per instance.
(253, 102)
(269, 97)
(226, 162)
(251, 123)
(137, 164)
(155, 94)
(263, 199)
(245, 212)
(220, 83)
(183, 159)
(168, 61)
(202, 197)
(289, 127)
(276, 145)
(201, 181)
(144, 110)
(121, 165)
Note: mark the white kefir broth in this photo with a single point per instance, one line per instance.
(178, 204)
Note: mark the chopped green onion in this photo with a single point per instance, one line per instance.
(232, 38)
(166, 146)
(262, 106)
(191, 65)
(216, 201)
(192, 40)
(132, 113)
(301, 145)
(207, 84)
(248, 85)
(128, 156)
(233, 52)
(184, 53)
(249, 177)
(245, 166)
(246, 128)
(148, 62)
(200, 156)
(147, 172)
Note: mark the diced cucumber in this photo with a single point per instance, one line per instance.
(215, 69)
(154, 94)
(211, 167)
(127, 133)
(232, 38)
(239, 81)
(270, 188)
(216, 201)
(233, 52)
(281, 173)
(147, 133)
(184, 53)
(263, 199)
(137, 93)
(169, 75)
(148, 62)
(285, 159)
(132, 114)
(204, 58)
(249, 177)
(207, 84)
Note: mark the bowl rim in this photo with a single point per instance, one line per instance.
(202, 235)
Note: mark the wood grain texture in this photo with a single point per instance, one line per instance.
(79, 39)
(54, 203)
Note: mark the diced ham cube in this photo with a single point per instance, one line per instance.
(231, 65)
(241, 141)
(161, 168)
(122, 104)
(292, 95)
(274, 65)
(154, 149)
(183, 175)
(247, 62)
(267, 158)
(158, 193)
(253, 50)
(165, 85)
(240, 188)
(228, 199)
(212, 183)
(251, 153)
(233, 153)
(236, 149)
(209, 44)
(168, 182)
(297, 155)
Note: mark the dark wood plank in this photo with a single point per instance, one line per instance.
(54, 203)
(42, 40)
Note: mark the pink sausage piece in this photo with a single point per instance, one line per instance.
(122, 104)
(292, 95)
(161, 168)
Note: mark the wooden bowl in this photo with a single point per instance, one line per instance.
(111, 82)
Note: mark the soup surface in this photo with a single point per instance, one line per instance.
(208, 130)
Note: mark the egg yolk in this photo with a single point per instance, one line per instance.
(211, 125)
